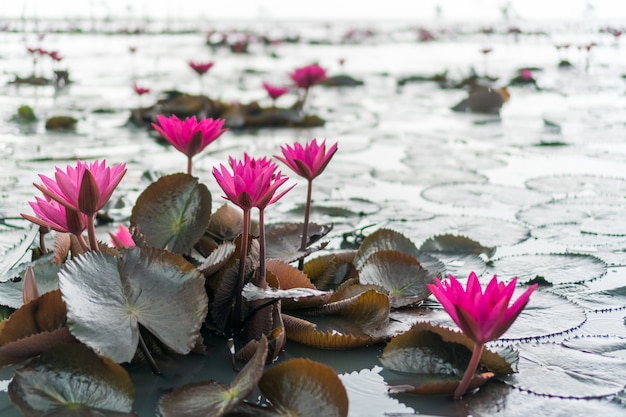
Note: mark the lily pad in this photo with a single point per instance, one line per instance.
(558, 371)
(212, 398)
(72, 380)
(283, 242)
(401, 275)
(108, 298)
(555, 269)
(480, 229)
(578, 185)
(46, 276)
(305, 388)
(173, 212)
(482, 195)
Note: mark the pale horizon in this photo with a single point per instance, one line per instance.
(452, 10)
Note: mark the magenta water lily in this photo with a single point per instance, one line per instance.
(189, 136)
(307, 161)
(482, 316)
(85, 188)
(252, 183)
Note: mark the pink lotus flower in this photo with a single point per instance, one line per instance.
(307, 76)
(252, 183)
(309, 160)
(139, 90)
(57, 217)
(200, 68)
(85, 188)
(482, 316)
(122, 238)
(189, 136)
(274, 91)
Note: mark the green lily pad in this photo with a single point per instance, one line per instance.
(556, 370)
(212, 398)
(556, 269)
(71, 380)
(46, 276)
(173, 212)
(304, 388)
(401, 275)
(109, 297)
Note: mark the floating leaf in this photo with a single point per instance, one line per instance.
(557, 269)
(482, 195)
(173, 212)
(559, 371)
(72, 380)
(212, 398)
(12, 255)
(327, 271)
(433, 349)
(108, 298)
(304, 388)
(401, 275)
(384, 239)
(284, 242)
(306, 333)
(46, 277)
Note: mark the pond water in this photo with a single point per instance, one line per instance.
(544, 182)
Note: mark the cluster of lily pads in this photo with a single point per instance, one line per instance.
(181, 272)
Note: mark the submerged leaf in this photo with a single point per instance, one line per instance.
(304, 388)
(212, 398)
(72, 380)
(108, 297)
(173, 212)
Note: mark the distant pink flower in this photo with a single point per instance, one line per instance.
(139, 90)
(189, 136)
(55, 56)
(526, 74)
(309, 160)
(274, 91)
(307, 76)
(69, 188)
(482, 316)
(56, 216)
(122, 238)
(200, 68)
(252, 183)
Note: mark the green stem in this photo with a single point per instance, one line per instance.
(91, 232)
(261, 247)
(242, 269)
(305, 227)
(469, 372)
(148, 356)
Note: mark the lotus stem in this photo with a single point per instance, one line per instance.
(242, 269)
(148, 355)
(91, 232)
(305, 227)
(261, 246)
(469, 372)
